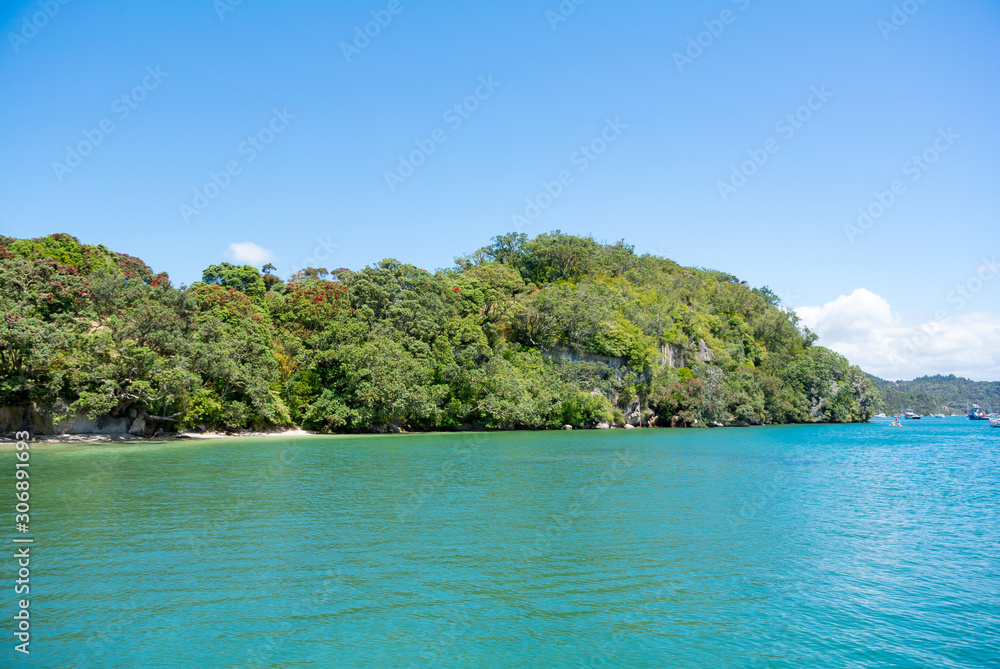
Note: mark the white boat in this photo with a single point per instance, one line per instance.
(995, 421)
(977, 413)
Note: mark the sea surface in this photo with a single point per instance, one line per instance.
(801, 546)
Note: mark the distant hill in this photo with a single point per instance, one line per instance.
(938, 394)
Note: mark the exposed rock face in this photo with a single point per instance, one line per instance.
(138, 427)
(24, 418)
(705, 354)
(385, 429)
(602, 426)
(671, 356)
(633, 417)
(618, 365)
(79, 423)
(30, 419)
(573, 356)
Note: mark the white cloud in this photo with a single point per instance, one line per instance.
(249, 253)
(863, 327)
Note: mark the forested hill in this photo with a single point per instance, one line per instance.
(939, 394)
(525, 333)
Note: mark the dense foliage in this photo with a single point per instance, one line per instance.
(939, 394)
(540, 333)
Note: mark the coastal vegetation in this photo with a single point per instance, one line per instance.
(938, 394)
(522, 334)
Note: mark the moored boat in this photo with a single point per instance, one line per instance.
(995, 421)
(977, 414)
(911, 415)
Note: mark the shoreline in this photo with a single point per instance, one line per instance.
(123, 438)
(118, 438)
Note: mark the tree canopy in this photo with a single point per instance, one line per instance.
(523, 333)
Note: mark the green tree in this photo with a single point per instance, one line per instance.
(245, 278)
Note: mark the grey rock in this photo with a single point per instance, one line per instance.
(138, 426)
(705, 354)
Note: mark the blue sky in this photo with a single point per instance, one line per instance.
(328, 128)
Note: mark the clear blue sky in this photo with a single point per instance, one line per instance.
(323, 175)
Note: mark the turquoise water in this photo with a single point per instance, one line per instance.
(806, 546)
